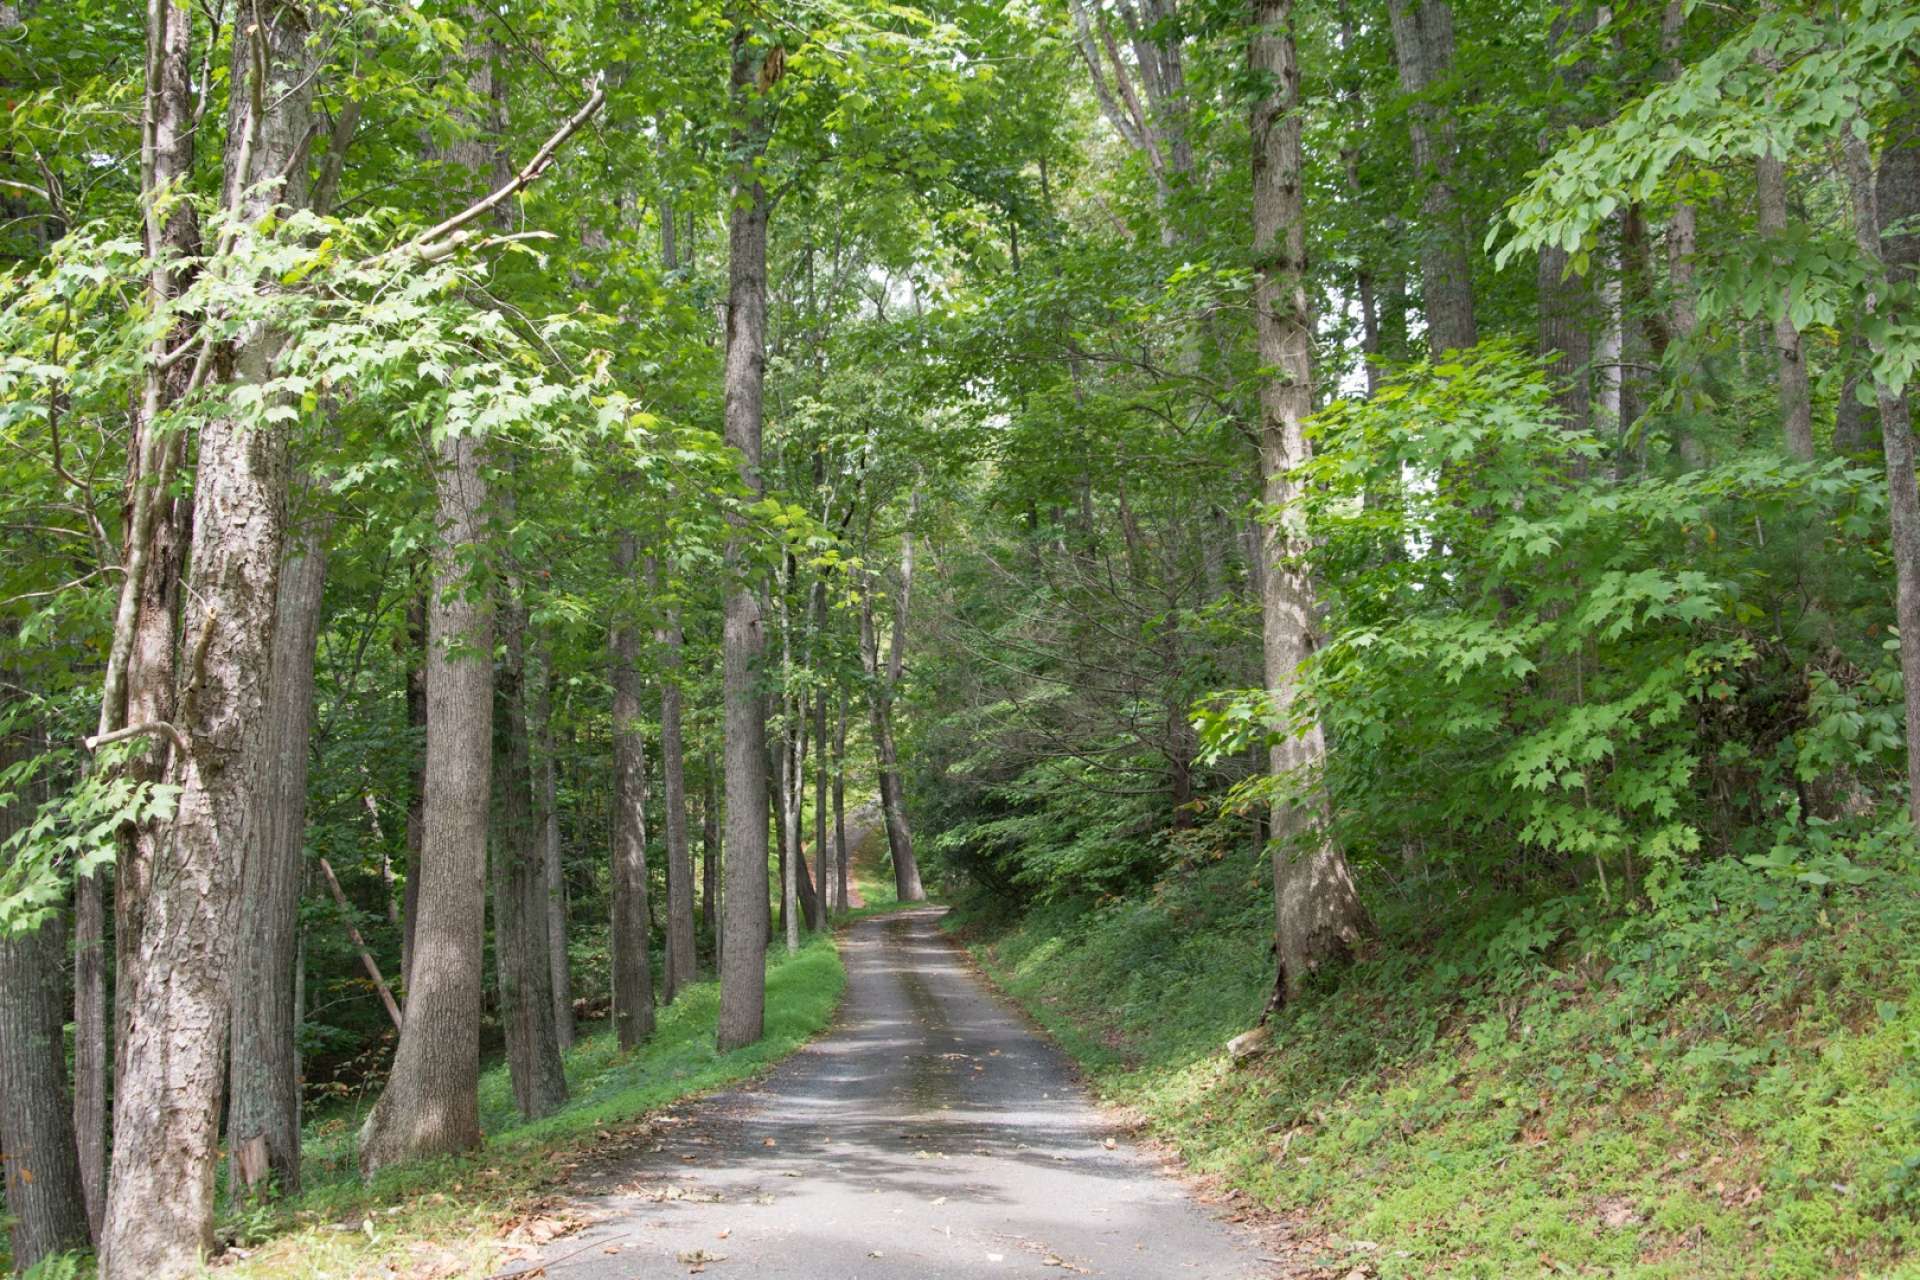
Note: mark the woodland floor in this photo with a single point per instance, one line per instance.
(930, 1134)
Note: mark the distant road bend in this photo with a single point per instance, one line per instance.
(929, 1135)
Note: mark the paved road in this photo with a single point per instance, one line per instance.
(929, 1135)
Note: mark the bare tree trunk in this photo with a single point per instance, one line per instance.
(174, 984)
(632, 915)
(91, 1052)
(360, 947)
(710, 857)
(840, 802)
(682, 964)
(417, 798)
(785, 825)
(263, 1113)
(1796, 396)
(431, 1103)
(1566, 301)
(823, 895)
(743, 962)
(520, 886)
(1317, 911)
(45, 1198)
(1896, 433)
(893, 808)
(1423, 50)
(554, 903)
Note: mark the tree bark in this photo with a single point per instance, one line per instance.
(632, 970)
(431, 1103)
(823, 890)
(1896, 437)
(743, 962)
(880, 685)
(1318, 916)
(91, 1051)
(417, 798)
(554, 903)
(175, 975)
(682, 964)
(45, 1197)
(1423, 50)
(520, 937)
(1566, 301)
(840, 802)
(710, 856)
(1796, 396)
(263, 1112)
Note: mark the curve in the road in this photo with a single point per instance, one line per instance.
(929, 1135)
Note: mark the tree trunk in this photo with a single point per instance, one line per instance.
(787, 816)
(743, 962)
(417, 797)
(823, 889)
(520, 886)
(840, 802)
(632, 915)
(1317, 911)
(174, 984)
(431, 1103)
(263, 1113)
(1423, 51)
(710, 856)
(682, 964)
(45, 1198)
(1796, 397)
(1896, 436)
(893, 808)
(1566, 301)
(91, 1051)
(554, 902)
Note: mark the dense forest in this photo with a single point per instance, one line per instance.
(1371, 550)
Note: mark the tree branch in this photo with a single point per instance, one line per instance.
(425, 244)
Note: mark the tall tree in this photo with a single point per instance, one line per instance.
(682, 966)
(263, 1107)
(520, 924)
(181, 884)
(553, 874)
(1317, 911)
(755, 67)
(883, 681)
(45, 1199)
(430, 1105)
(632, 917)
(1423, 50)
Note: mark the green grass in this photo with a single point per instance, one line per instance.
(1729, 1086)
(448, 1215)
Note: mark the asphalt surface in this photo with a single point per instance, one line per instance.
(929, 1135)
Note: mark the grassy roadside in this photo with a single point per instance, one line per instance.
(1728, 1086)
(455, 1217)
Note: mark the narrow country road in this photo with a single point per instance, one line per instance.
(929, 1135)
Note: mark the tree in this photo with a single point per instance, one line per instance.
(1317, 911)
(180, 888)
(755, 68)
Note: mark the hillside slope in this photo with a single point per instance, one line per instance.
(1728, 1085)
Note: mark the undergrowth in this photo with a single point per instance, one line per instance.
(1728, 1085)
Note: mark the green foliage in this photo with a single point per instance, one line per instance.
(1681, 1092)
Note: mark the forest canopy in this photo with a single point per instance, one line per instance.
(492, 491)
